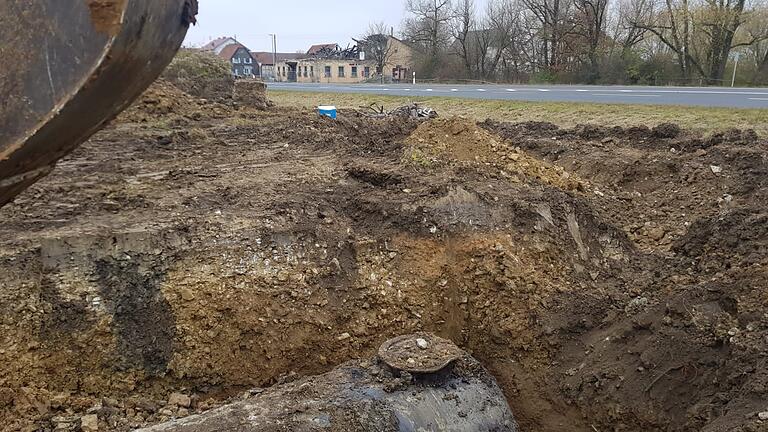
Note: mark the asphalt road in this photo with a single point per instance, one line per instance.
(686, 96)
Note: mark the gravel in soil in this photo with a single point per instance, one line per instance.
(193, 250)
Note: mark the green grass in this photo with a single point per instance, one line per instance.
(564, 114)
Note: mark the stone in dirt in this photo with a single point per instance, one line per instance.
(89, 423)
(180, 400)
(422, 343)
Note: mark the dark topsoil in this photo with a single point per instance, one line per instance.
(200, 249)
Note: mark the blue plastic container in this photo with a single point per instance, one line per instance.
(328, 111)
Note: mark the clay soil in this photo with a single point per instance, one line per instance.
(610, 279)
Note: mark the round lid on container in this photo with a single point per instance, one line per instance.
(419, 353)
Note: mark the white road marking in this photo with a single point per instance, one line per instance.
(675, 93)
(625, 95)
(707, 92)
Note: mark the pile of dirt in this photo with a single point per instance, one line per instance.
(252, 93)
(460, 139)
(145, 279)
(165, 101)
(201, 74)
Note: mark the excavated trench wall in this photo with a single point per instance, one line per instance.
(253, 246)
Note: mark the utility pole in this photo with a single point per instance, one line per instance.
(735, 66)
(274, 56)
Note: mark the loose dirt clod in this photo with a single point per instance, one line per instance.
(202, 249)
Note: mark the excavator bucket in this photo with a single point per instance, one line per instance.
(70, 66)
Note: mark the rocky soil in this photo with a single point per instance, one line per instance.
(610, 279)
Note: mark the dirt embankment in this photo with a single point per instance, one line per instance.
(611, 279)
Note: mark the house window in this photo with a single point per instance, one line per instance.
(367, 72)
(312, 71)
(248, 60)
(354, 71)
(236, 60)
(341, 71)
(248, 70)
(327, 71)
(306, 71)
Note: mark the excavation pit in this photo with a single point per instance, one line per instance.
(195, 251)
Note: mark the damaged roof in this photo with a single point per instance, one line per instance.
(314, 49)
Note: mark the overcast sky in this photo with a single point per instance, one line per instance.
(297, 23)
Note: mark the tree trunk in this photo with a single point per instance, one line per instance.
(761, 77)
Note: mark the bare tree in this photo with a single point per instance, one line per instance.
(376, 45)
(702, 35)
(630, 11)
(481, 43)
(503, 25)
(590, 25)
(463, 25)
(719, 21)
(553, 17)
(428, 26)
(517, 38)
(672, 24)
(756, 30)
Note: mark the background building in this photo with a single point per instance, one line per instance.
(243, 63)
(315, 70)
(322, 63)
(327, 63)
(266, 61)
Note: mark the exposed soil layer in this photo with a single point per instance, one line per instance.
(614, 281)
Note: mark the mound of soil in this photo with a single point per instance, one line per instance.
(460, 139)
(201, 74)
(252, 93)
(165, 101)
(148, 279)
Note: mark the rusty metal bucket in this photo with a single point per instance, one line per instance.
(70, 66)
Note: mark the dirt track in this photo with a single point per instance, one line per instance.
(611, 279)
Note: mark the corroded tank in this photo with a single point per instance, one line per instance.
(417, 383)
